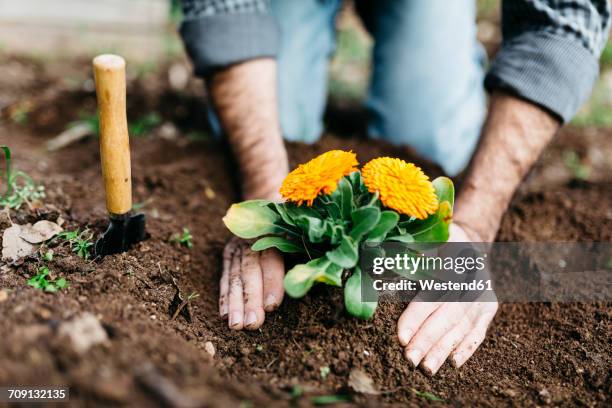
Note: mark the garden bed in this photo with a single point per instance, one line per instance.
(534, 354)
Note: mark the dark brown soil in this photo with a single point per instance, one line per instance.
(535, 354)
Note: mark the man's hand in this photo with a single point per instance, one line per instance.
(514, 135)
(252, 282)
(433, 331)
(244, 97)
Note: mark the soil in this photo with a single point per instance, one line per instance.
(534, 354)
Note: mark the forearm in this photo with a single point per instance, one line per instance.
(244, 97)
(513, 137)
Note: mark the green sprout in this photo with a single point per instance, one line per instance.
(20, 188)
(40, 281)
(144, 124)
(80, 241)
(324, 372)
(185, 239)
(574, 164)
(427, 395)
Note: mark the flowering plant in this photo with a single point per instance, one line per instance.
(331, 207)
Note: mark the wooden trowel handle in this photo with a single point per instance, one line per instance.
(109, 74)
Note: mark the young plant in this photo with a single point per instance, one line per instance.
(80, 241)
(20, 188)
(40, 281)
(332, 208)
(185, 239)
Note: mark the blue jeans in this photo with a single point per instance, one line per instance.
(426, 89)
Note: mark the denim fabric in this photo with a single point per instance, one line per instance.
(426, 90)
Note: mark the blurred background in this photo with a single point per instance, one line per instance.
(145, 32)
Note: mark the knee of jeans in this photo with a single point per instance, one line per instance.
(445, 133)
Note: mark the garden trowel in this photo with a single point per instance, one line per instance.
(125, 227)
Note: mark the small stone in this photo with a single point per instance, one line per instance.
(210, 348)
(3, 295)
(209, 193)
(509, 392)
(13, 246)
(366, 352)
(44, 314)
(361, 382)
(544, 395)
(84, 332)
(39, 232)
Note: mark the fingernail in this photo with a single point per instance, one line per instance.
(270, 303)
(414, 356)
(235, 319)
(251, 319)
(430, 366)
(404, 336)
(456, 360)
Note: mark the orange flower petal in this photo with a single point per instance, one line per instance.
(402, 186)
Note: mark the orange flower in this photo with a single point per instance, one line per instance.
(321, 174)
(402, 186)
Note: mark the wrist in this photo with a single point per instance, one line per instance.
(512, 139)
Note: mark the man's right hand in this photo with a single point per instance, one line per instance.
(251, 284)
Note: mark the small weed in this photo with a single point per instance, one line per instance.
(40, 281)
(80, 241)
(20, 188)
(573, 163)
(185, 239)
(330, 399)
(324, 372)
(144, 125)
(88, 119)
(47, 256)
(426, 395)
(259, 348)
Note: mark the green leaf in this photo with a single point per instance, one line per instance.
(435, 227)
(352, 297)
(343, 196)
(388, 221)
(281, 209)
(61, 283)
(427, 395)
(301, 277)
(445, 190)
(295, 211)
(364, 220)
(252, 219)
(311, 226)
(334, 232)
(280, 243)
(345, 255)
(406, 238)
(330, 399)
(332, 275)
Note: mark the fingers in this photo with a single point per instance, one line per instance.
(438, 354)
(228, 253)
(412, 318)
(235, 294)
(431, 331)
(273, 269)
(475, 337)
(252, 282)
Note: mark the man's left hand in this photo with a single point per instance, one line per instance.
(430, 332)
